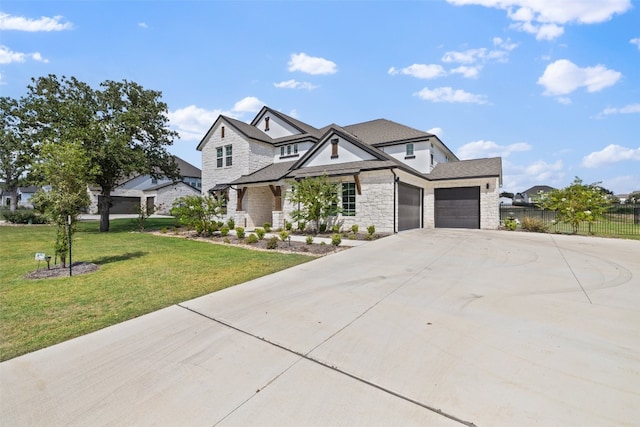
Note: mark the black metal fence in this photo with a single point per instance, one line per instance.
(618, 220)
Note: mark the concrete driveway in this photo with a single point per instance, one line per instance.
(424, 328)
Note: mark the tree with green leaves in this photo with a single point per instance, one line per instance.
(315, 200)
(199, 212)
(576, 203)
(65, 170)
(122, 127)
(16, 154)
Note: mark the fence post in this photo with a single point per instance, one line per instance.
(636, 215)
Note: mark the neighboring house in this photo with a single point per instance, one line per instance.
(389, 175)
(531, 195)
(24, 195)
(145, 191)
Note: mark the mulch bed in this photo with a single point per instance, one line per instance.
(77, 268)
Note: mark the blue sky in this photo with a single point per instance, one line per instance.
(551, 86)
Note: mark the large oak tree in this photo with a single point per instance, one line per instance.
(122, 127)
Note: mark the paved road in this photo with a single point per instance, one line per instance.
(424, 328)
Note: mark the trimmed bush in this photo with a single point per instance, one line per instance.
(260, 232)
(535, 225)
(240, 232)
(267, 226)
(224, 230)
(336, 239)
(309, 240)
(371, 230)
(510, 224)
(252, 238)
(355, 228)
(284, 235)
(272, 243)
(24, 216)
(231, 223)
(288, 225)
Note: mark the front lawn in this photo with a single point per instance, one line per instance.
(139, 273)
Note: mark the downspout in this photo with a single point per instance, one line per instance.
(395, 185)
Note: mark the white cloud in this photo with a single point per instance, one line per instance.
(420, 71)
(627, 109)
(635, 41)
(610, 154)
(563, 77)
(480, 149)
(469, 56)
(294, 84)
(467, 72)
(545, 18)
(7, 56)
(436, 131)
(447, 94)
(193, 122)
(311, 65)
(518, 177)
(44, 23)
(250, 104)
(143, 25)
(564, 100)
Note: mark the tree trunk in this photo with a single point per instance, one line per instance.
(13, 200)
(105, 204)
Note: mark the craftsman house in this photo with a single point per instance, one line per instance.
(389, 175)
(156, 195)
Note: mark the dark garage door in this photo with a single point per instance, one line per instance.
(409, 207)
(457, 207)
(122, 205)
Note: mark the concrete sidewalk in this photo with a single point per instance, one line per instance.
(428, 327)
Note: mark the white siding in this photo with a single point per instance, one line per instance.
(347, 152)
(303, 147)
(277, 127)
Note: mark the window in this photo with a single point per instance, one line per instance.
(289, 150)
(282, 151)
(222, 132)
(219, 157)
(154, 180)
(266, 124)
(409, 152)
(432, 160)
(228, 155)
(334, 148)
(349, 199)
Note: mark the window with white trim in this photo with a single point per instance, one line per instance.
(228, 155)
(218, 157)
(409, 151)
(348, 198)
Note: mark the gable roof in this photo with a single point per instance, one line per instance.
(302, 127)
(272, 172)
(381, 131)
(475, 168)
(187, 169)
(537, 189)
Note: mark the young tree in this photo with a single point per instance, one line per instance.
(198, 212)
(65, 169)
(576, 203)
(122, 127)
(315, 198)
(15, 151)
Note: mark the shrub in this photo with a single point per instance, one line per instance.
(335, 228)
(272, 243)
(226, 240)
(309, 240)
(355, 228)
(322, 227)
(260, 232)
(284, 235)
(371, 230)
(336, 239)
(24, 216)
(267, 226)
(288, 225)
(535, 225)
(302, 225)
(231, 223)
(163, 230)
(510, 224)
(252, 238)
(224, 230)
(240, 232)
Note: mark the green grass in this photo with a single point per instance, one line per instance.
(139, 273)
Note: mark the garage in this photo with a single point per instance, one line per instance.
(409, 207)
(122, 205)
(457, 207)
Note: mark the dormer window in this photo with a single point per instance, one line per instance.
(266, 124)
(334, 148)
(409, 152)
(290, 150)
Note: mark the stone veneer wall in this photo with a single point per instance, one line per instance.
(165, 196)
(489, 200)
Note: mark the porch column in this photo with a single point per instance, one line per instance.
(241, 193)
(277, 194)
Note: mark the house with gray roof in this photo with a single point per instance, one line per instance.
(155, 194)
(389, 175)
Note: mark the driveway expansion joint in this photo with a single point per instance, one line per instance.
(309, 358)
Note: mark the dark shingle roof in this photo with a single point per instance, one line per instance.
(273, 172)
(187, 169)
(382, 131)
(537, 189)
(341, 169)
(467, 169)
